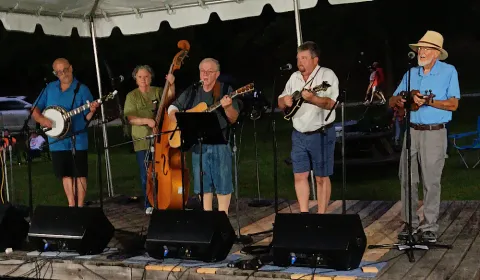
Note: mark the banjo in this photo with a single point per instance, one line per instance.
(61, 119)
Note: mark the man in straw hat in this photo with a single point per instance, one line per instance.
(427, 129)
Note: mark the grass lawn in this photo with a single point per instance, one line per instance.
(363, 182)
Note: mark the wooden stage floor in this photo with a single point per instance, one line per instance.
(459, 226)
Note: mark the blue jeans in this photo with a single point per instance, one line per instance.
(217, 169)
(314, 151)
(143, 174)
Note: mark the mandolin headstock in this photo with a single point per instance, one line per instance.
(322, 87)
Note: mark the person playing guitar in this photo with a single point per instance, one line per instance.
(313, 137)
(217, 159)
(69, 93)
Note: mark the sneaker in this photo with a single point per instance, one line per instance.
(429, 237)
(403, 235)
(149, 211)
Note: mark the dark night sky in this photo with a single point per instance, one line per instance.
(252, 49)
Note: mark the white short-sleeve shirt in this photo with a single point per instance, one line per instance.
(311, 117)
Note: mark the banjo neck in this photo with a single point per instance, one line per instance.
(84, 107)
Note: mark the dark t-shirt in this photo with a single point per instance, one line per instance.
(184, 100)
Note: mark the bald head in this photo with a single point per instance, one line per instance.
(61, 61)
(63, 70)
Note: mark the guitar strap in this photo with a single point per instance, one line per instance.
(218, 94)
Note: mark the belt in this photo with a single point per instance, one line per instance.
(427, 126)
(322, 129)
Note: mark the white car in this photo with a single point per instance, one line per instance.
(14, 110)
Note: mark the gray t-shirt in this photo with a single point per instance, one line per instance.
(184, 100)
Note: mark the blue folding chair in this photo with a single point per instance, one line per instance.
(474, 146)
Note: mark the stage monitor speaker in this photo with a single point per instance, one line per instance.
(13, 227)
(318, 240)
(84, 230)
(198, 235)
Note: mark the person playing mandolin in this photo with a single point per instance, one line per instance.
(216, 159)
(140, 109)
(427, 129)
(69, 93)
(313, 137)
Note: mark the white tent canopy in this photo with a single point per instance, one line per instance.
(97, 18)
(59, 17)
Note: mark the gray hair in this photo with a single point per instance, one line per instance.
(209, 59)
(310, 46)
(144, 67)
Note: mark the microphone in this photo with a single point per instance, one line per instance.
(118, 79)
(199, 83)
(286, 67)
(411, 55)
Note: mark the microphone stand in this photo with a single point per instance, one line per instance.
(274, 145)
(341, 99)
(4, 165)
(241, 239)
(26, 131)
(411, 243)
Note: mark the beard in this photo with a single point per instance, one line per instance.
(423, 63)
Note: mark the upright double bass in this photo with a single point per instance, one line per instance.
(170, 192)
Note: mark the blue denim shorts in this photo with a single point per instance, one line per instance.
(313, 151)
(217, 169)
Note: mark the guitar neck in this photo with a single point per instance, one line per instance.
(218, 104)
(80, 109)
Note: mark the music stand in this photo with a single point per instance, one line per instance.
(199, 128)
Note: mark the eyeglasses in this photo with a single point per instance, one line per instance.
(209, 72)
(61, 72)
(425, 49)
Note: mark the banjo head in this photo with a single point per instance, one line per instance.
(59, 125)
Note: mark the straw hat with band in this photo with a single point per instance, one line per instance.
(431, 39)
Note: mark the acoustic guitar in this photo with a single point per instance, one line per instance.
(203, 107)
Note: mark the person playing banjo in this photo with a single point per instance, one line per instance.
(68, 93)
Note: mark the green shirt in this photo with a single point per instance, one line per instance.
(142, 105)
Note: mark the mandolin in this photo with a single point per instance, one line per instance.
(298, 100)
(427, 97)
(203, 107)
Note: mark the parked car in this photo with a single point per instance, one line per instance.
(14, 110)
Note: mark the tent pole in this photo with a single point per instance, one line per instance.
(104, 125)
(298, 28)
(298, 25)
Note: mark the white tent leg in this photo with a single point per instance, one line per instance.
(104, 125)
(298, 25)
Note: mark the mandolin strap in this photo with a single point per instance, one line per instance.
(313, 78)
